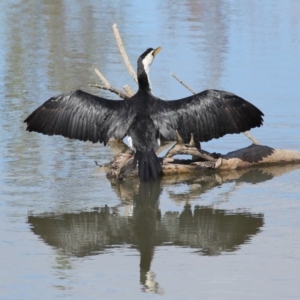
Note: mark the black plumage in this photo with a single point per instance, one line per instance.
(144, 117)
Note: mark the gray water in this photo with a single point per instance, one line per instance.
(67, 232)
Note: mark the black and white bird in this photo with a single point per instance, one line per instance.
(144, 118)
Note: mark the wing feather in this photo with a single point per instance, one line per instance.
(82, 116)
(209, 114)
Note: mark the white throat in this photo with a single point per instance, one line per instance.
(147, 61)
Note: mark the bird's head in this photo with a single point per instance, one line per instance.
(144, 63)
(147, 57)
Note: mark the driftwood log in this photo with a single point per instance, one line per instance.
(251, 156)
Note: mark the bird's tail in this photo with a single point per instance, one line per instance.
(148, 165)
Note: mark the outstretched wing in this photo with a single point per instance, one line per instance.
(209, 114)
(82, 116)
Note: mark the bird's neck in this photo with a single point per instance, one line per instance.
(143, 79)
(144, 83)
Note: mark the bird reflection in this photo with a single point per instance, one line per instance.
(205, 229)
(146, 218)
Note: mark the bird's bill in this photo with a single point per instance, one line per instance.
(156, 51)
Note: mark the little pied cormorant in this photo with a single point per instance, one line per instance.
(144, 117)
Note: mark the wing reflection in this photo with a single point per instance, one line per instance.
(210, 231)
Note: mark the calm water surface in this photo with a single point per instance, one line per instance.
(69, 233)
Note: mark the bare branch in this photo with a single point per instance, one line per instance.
(249, 136)
(107, 86)
(102, 78)
(123, 52)
(128, 90)
(111, 89)
(186, 86)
